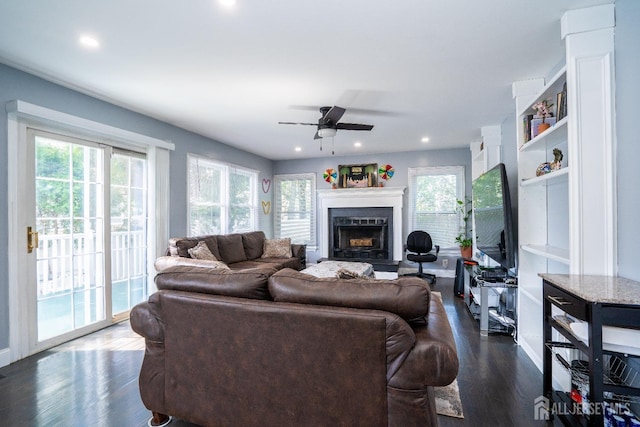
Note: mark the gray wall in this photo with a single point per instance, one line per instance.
(401, 163)
(627, 57)
(15, 84)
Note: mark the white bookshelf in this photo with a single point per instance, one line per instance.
(565, 218)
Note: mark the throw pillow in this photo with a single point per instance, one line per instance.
(231, 248)
(277, 248)
(202, 251)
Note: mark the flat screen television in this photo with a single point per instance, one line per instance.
(493, 218)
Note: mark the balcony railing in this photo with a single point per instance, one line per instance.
(59, 271)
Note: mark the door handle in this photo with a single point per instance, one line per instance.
(32, 239)
(558, 301)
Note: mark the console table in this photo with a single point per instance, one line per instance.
(599, 301)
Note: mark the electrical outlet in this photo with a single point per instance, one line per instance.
(445, 263)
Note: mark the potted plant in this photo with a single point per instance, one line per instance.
(543, 110)
(464, 239)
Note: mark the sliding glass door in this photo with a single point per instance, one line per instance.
(89, 235)
(128, 230)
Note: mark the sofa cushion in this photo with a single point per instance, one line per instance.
(231, 248)
(164, 262)
(280, 263)
(277, 248)
(408, 297)
(240, 284)
(253, 244)
(242, 265)
(179, 246)
(201, 251)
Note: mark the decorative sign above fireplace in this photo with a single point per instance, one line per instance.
(358, 176)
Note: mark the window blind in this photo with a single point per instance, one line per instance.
(295, 207)
(434, 192)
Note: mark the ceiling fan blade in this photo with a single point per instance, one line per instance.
(296, 123)
(334, 114)
(317, 136)
(352, 110)
(353, 126)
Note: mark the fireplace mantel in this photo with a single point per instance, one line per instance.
(362, 198)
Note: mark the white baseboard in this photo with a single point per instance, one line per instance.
(5, 357)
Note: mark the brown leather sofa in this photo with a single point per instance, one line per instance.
(248, 349)
(239, 251)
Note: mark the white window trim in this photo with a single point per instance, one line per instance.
(433, 170)
(313, 245)
(227, 167)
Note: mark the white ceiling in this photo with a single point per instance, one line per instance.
(435, 68)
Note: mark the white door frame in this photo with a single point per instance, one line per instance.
(21, 115)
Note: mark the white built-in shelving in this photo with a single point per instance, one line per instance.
(566, 217)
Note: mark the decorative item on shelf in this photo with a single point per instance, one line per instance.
(464, 238)
(543, 169)
(385, 172)
(330, 176)
(557, 159)
(543, 111)
(547, 167)
(535, 123)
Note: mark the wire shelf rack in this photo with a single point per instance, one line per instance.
(617, 372)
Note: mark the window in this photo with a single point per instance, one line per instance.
(295, 207)
(222, 198)
(434, 192)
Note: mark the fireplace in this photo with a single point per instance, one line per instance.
(359, 208)
(361, 233)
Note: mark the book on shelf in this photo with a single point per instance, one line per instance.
(561, 103)
(526, 122)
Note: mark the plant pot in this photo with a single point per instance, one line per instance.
(542, 127)
(466, 252)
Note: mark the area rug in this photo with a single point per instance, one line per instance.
(448, 401)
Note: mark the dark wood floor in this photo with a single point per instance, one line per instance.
(92, 381)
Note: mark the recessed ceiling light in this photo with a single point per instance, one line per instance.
(298, 148)
(89, 42)
(425, 139)
(358, 144)
(227, 3)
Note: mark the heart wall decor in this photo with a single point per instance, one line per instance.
(266, 185)
(266, 207)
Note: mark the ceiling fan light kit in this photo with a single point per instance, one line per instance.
(327, 132)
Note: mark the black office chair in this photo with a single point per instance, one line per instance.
(420, 244)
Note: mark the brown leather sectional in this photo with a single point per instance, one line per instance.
(240, 251)
(249, 348)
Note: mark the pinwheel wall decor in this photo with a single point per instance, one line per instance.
(385, 172)
(330, 175)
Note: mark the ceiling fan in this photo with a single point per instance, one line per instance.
(328, 124)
